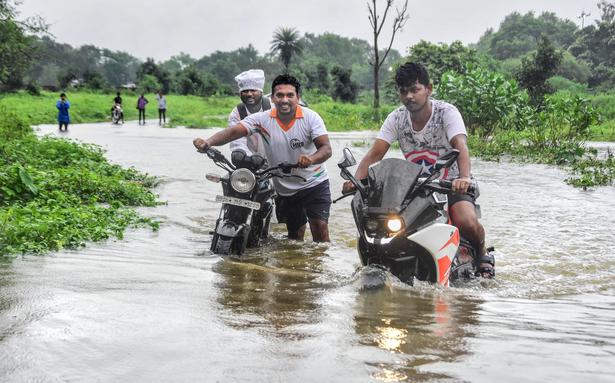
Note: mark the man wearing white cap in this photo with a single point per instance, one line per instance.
(250, 84)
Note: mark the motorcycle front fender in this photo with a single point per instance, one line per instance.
(231, 229)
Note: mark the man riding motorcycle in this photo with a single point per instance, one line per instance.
(425, 129)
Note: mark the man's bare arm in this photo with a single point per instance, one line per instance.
(222, 137)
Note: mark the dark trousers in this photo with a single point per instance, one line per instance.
(141, 113)
(162, 115)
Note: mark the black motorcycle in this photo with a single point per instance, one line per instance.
(403, 223)
(247, 200)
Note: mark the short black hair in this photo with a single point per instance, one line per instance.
(62, 95)
(410, 73)
(286, 79)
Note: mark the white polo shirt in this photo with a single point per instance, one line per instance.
(286, 142)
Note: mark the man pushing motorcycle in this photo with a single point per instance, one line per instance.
(291, 134)
(426, 128)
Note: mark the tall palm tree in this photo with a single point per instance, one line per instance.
(286, 42)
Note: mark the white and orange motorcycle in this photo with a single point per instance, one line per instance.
(403, 224)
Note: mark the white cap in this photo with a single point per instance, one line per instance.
(251, 79)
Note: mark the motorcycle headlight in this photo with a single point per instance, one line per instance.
(394, 224)
(243, 180)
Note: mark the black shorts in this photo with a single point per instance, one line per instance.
(453, 198)
(311, 203)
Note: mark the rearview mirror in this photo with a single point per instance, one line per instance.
(347, 160)
(446, 160)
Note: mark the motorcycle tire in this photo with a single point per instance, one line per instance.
(222, 245)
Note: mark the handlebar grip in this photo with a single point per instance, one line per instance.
(448, 184)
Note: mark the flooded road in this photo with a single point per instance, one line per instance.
(158, 306)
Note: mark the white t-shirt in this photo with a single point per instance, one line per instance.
(425, 146)
(162, 101)
(251, 144)
(285, 143)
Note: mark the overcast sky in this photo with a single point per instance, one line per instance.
(163, 28)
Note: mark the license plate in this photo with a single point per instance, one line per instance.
(238, 202)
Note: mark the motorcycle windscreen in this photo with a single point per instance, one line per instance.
(389, 182)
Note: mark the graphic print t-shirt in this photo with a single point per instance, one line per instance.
(424, 147)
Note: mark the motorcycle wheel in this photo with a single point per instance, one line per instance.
(222, 245)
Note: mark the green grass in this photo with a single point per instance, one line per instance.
(199, 112)
(189, 111)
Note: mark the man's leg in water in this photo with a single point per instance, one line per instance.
(463, 215)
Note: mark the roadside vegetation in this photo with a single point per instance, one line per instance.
(57, 194)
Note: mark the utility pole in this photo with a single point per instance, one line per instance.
(582, 16)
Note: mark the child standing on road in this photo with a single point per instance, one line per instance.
(63, 117)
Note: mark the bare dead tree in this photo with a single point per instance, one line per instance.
(377, 22)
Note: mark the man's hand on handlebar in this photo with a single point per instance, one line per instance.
(348, 187)
(201, 145)
(461, 184)
(304, 161)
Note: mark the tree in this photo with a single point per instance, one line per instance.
(519, 34)
(377, 23)
(149, 67)
(286, 44)
(16, 53)
(595, 44)
(537, 68)
(440, 58)
(344, 88)
(93, 79)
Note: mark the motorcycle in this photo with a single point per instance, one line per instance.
(403, 223)
(247, 200)
(117, 114)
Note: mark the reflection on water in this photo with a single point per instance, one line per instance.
(414, 328)
(273, 289)
(160, 307)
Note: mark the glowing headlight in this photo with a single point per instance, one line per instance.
(394, 224)
(242, 180)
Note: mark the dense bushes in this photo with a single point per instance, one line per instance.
(55, 193)
(501, 120)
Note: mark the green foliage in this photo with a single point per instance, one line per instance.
(16, 52)
(573, 69)
(344, 89)
(286, 44)
(559, 83)
(486, 100)
(562, 128)
(149, 74)
(537, 68)
(441, 58)
(94, 80)
(11, 126)
(518, 34)
(149, 84)
(56, 194)
(593, 170)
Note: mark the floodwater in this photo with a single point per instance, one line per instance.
(158, 306)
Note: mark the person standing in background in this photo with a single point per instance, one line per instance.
(162, 108)
(63, 117)
(141, 102)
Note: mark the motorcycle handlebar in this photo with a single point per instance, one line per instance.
(448, 184)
